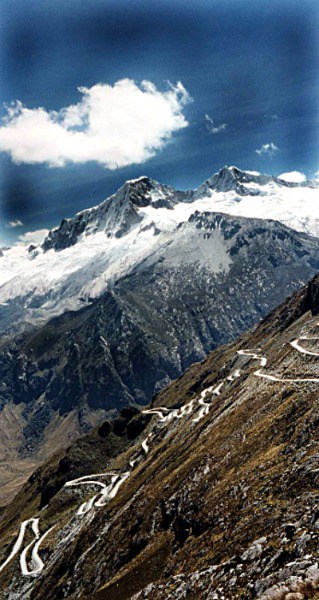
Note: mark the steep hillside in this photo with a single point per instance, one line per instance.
(214, 495)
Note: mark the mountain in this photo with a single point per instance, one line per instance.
(142, 286)
(87, 254)
(209, 492)
(117, 215)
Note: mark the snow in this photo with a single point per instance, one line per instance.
(63, 280)
(297, 207)
(93, 263)
(137, 179)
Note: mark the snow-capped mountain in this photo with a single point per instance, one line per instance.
(202, 285)
(88, 253)
(117, 215)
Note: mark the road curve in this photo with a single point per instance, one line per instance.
(295, 344)
(36, 543)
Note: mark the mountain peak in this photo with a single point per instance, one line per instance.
(233, 179)
(245, 183)
(144, 191)
(141, 183)
(139, 179)
(115, 215)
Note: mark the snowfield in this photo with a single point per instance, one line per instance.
(297, 207)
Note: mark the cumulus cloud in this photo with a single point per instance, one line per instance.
(13, 224)
(316, 175)
(214, 128)
(114, 125)
(33, 237)
(293, 177)
(267, 149)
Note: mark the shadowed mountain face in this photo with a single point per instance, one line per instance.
(123, 297)
(209, 492)
(215, 276)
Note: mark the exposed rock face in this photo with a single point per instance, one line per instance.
(116, 214)
(244, 183)
(217, 483)
(311, 301)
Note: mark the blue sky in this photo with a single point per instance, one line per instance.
(251, 67)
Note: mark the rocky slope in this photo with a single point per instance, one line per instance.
(215, 277)
(211, 492)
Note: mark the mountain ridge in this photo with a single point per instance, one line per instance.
(227, 179)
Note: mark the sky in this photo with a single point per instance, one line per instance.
(94, 93)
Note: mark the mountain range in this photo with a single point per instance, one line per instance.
(119, 300)
(87, 254)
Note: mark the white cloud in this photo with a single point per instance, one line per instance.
(13, 224)
(267, 149)
(316, 175)
(33, 237)
(113, 125)
(293, 177)
(214, 128)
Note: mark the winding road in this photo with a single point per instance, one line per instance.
(263, 363)
(36, 561)
(295, 344)
(107, 491)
